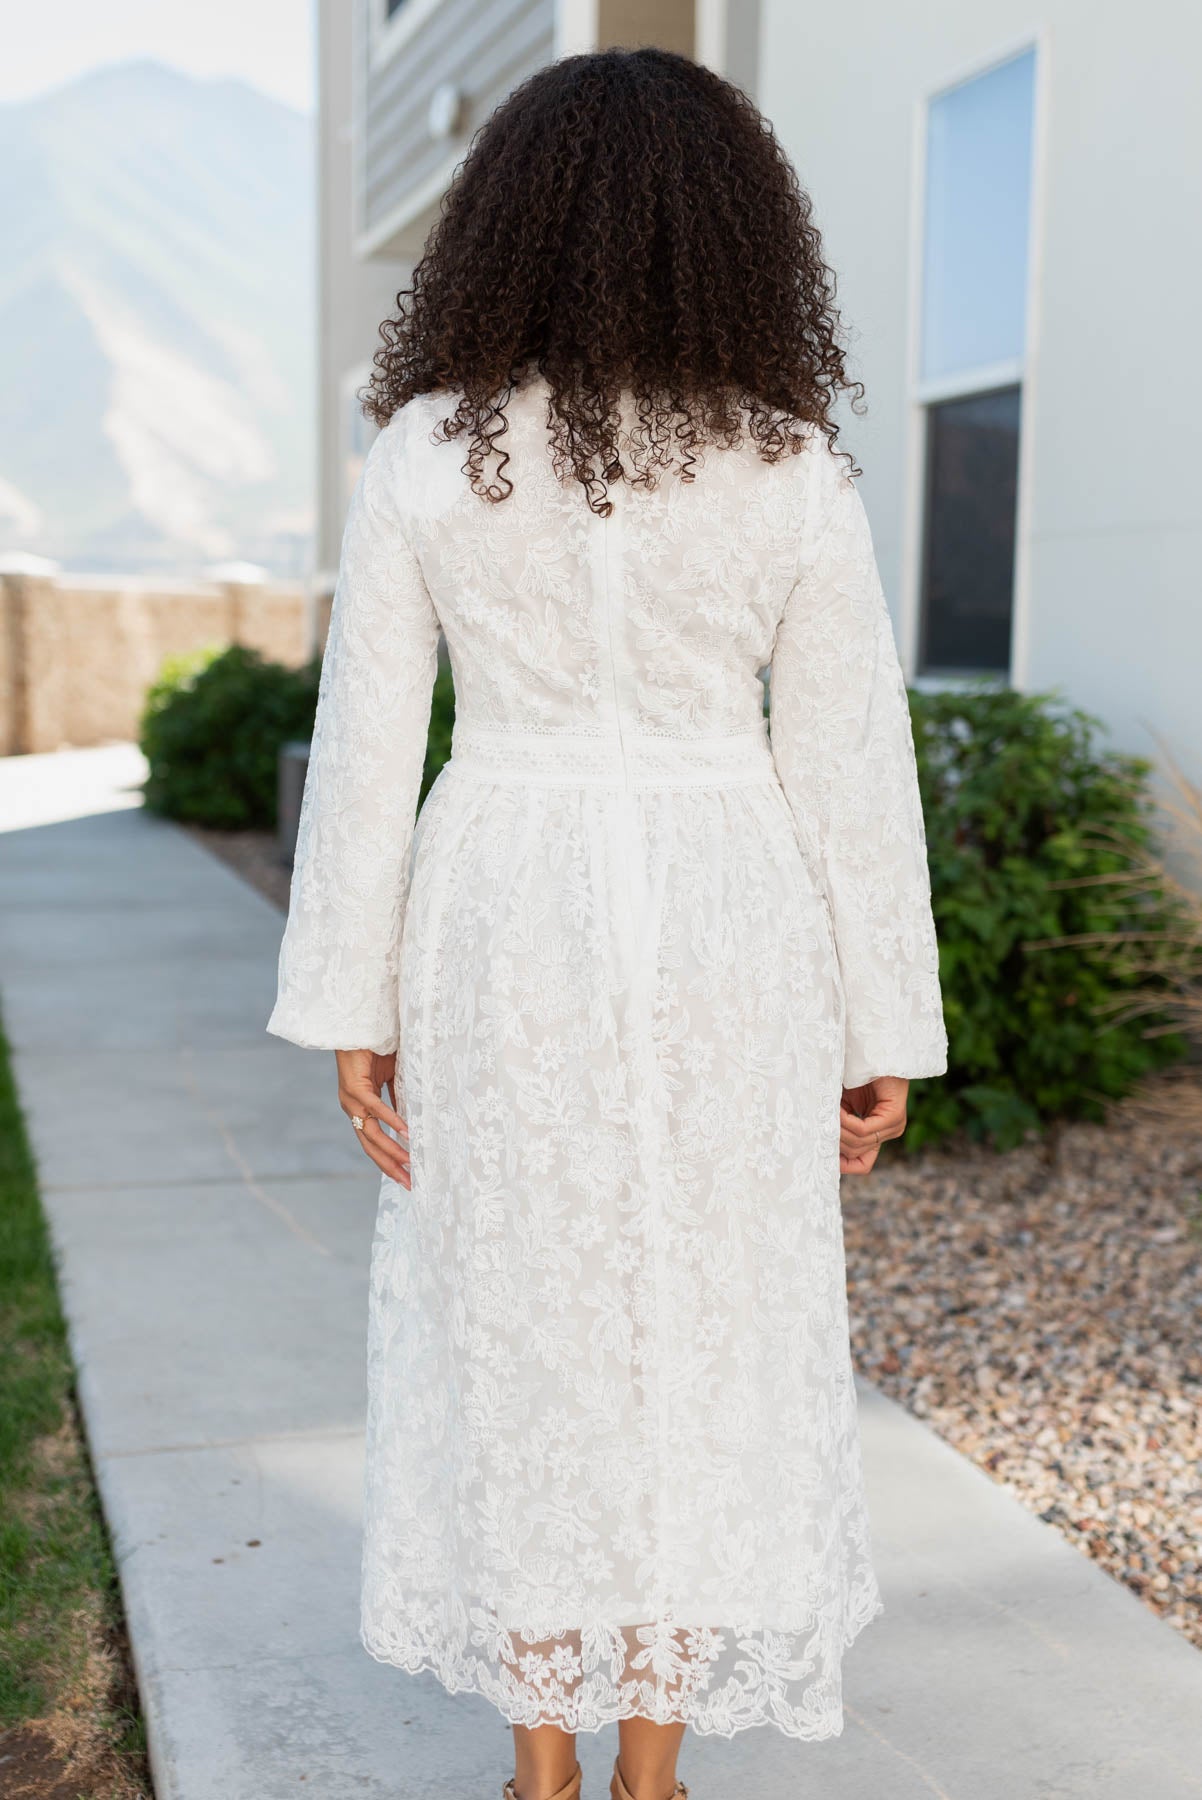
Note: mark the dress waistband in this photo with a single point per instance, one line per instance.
(626, 759)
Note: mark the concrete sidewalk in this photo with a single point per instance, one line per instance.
(213, 1215)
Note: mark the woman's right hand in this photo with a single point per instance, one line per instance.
(363, 1078)
(868, 1117)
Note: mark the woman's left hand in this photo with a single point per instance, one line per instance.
(868, 1117)
(363, 1077)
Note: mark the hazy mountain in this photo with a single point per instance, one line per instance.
(156, 324)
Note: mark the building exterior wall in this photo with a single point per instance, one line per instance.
(736, 30)
(1110, 531)
(354, 293)
(478, 53)
(1107, 595)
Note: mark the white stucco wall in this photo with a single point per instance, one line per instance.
(354, 294)
(1110, 587)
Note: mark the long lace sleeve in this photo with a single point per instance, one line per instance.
(338, 961)
(844, 750)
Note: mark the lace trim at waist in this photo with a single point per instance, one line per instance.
(635, 759)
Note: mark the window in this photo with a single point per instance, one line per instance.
(972, 493)
(973, 336)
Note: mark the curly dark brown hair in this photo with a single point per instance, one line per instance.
(625, 220)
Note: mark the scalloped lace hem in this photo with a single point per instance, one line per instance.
(699, 1711)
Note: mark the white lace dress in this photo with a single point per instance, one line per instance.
(628, 958)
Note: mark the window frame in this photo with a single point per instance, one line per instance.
(1022, 371)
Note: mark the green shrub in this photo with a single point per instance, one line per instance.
(1026, 818)
(211, 732)
(442, 721)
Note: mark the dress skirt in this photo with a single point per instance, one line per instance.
(613, 1455)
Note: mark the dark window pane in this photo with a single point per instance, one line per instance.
(394, 6)
(968, 572)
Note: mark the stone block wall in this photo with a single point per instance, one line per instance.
(77, 652)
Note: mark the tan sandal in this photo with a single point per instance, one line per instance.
(570, 1792)
(619, 1791)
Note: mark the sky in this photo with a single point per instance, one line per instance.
(268, 43)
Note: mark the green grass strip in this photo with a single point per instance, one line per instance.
(61, 1658)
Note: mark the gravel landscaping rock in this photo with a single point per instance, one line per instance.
(1040, 1310)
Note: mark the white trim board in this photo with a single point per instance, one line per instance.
(388, 35)
(1021, 616)
(419, 204)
